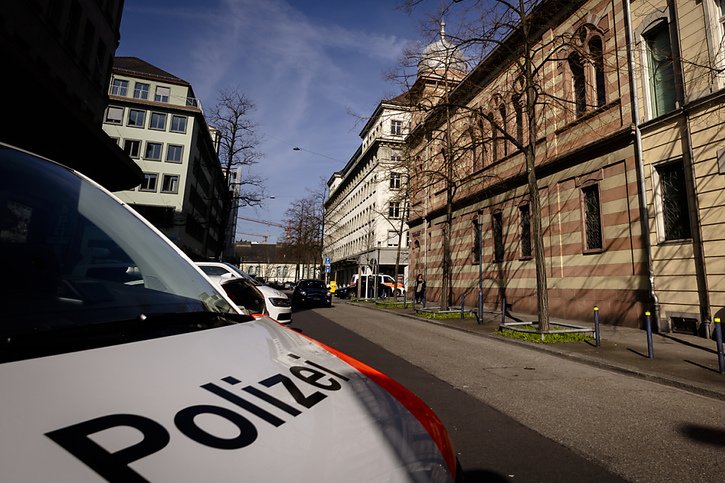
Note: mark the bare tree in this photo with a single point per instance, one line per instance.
(237, 146)
(498, 111)
(304, 237)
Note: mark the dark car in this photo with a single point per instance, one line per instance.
(311, 292)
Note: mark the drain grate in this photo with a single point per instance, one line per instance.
(684, 325)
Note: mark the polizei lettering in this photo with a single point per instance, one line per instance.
(308, 385)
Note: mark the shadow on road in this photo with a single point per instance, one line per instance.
(483, 476)
(703, 434)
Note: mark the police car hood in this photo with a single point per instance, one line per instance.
(247, 402)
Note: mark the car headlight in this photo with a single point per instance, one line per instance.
(280, 302)
(302, 292)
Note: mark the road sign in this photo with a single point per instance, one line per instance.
(327, 260)
(327, 268)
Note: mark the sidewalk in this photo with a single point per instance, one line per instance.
(684, 361)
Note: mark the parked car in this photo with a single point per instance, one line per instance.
(309, 292)
(245, 294)
(278, 305)
(387, 286)
(120, 360)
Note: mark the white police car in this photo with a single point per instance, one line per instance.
(119, 360)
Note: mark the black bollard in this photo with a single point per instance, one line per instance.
(718, 341)
(650, 349)
(597, 333)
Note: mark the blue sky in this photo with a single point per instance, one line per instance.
(306, 64)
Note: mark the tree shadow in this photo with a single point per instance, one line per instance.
(483, 476)
(703, 434)
(689, 344)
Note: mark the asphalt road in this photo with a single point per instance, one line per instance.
(521, 415)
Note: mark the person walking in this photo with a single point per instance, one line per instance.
(420, 289)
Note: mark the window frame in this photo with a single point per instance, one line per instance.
(172, 147)
(107, 118)
(131, 112)
(120, 89)
(153, 143)
(661, 205)
(648, 81)
(584, 190)
(175, 117)
(147, 177)
(151, 118)
(138, 149)
(162, 97)
(394, 210)
(525, 232)
(396, 127)
(395, 180)
(499, 250)
(138, 89)
(170, 177)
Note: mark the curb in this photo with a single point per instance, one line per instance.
(591, 361)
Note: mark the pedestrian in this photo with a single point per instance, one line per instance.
(419, 289)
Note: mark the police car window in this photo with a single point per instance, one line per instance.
(73, 256)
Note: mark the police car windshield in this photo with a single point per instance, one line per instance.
(73, 256)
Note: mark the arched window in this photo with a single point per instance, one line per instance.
(660, 70)
(597, 55)
(504, 126)
(519, 117)
(579, 83)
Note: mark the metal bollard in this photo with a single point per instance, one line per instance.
(463, 306)
(503, 310)
(405, 299)
(718, 340)
(650, 349)
(597, 333)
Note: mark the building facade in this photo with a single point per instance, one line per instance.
(365, 212)
(157, 121)
(625, 143)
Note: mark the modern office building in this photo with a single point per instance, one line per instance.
(157, 120)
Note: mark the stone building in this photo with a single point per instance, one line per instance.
(627, 145)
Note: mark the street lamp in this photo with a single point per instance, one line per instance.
(325, 265)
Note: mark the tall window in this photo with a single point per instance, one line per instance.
(136, 118)
(660, 70)
(392, 238)
(114, 115)
(579, 83)
(153, 151)
(173, 153)
(498, 251)
(119, 87)
(504, 142)
(149, 182)
(170, 183)
(132, 147)
(516, 101)
(394, 210)
(592, 218)
(494, 142)
(675, 214)
(141, 90)
(157, 121)
(178, 123)
(525, 231)
(476, 241)
(597, 53)
(394, 180)
(396, 127)
(162, 94)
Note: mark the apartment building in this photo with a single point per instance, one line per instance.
(57, 58)
(157, 120)
(626, 145)
(364, 218)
